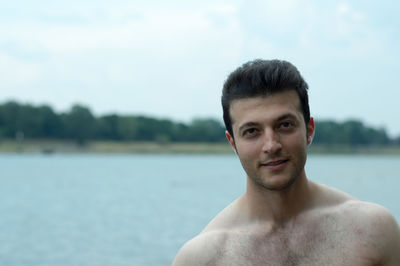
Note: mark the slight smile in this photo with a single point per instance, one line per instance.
(275, 164)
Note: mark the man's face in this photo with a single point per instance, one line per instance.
(270, 138)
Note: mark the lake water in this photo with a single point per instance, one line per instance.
(102, 210)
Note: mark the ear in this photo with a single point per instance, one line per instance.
(310, 131)
(231, 140)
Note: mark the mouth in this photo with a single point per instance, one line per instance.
(275, 164)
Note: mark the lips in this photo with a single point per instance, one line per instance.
(274, 163)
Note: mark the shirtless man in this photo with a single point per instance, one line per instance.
(283, 218)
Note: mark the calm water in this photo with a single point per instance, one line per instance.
(95, 210)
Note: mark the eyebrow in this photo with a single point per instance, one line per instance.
(280, 118)
(248, 124)
(287, 116)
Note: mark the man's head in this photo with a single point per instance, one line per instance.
(268, 122)
(262, 78)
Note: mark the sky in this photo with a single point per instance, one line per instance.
(169, 59)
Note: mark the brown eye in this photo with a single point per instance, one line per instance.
(249, 132)
(286, 125)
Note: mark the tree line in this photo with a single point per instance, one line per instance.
(25, 121)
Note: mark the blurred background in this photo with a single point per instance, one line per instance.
(112, 145)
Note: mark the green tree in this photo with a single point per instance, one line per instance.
(79, 124)
(206, 130)
(9, 119)
(351, 132)
(108, 127)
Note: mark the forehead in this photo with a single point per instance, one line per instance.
(260, 109)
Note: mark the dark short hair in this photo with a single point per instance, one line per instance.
(263, 78)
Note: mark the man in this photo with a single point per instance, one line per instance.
(283, 218)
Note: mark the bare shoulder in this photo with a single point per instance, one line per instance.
(208, 246)
(367, 222)
(368, 215)
(359, 214)
(373, 216)
(376, 225)
(204, 249)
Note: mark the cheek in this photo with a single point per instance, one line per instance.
(248, 149)
(296, 143)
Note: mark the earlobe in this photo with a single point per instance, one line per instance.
(309, 140)
(231, 140)
(310, 131)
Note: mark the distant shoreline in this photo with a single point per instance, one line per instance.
(57, 146)
(110, 147)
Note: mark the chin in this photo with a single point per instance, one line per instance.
(278, 185)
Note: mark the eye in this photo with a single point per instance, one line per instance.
(250, 132)
(285, 125)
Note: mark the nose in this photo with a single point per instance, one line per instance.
(271, 142)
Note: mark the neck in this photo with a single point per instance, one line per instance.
(277, 206)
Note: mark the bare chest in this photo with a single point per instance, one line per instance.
(301, 246)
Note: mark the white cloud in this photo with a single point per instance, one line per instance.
(15, 72)
(170, 59)
(343, 8)
(143, 28)
(157, 54)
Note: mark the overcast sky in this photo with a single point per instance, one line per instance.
(169, 59)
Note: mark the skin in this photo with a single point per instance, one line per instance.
(283, 218)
